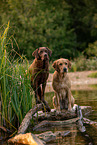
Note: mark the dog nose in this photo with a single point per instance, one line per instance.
(65, 69)
(45, 55)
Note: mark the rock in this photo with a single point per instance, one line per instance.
(26, 139)
(47, 136)
(86, 110)
(50, 136)
(62, 133)
(90, 122)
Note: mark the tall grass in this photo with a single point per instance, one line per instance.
(16, 97)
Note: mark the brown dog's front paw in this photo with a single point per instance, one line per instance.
(38, 102)
(46, 107)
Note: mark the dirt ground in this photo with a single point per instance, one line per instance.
(79, 81)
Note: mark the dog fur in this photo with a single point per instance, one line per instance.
(39, 71)
(63, 98)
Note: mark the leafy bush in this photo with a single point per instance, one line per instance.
(82, 64)
(40, 23)
(93, 75)
(92, 49)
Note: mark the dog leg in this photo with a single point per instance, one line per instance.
(43, 89)
(42, 98)
(55, 102)
(69, 100)
(37, 90)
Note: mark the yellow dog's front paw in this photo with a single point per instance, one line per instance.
(69, 107)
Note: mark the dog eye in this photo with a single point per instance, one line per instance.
(60, 64)
(65, 63)
(41, 51)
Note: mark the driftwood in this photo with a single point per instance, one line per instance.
(48, 119)
(90, 122)
(55, 123)
(26, 121)
(53, 115)
(81, 127)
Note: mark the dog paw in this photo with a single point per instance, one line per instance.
(38, 102)
(69, 108)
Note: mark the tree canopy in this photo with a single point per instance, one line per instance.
(67, 27)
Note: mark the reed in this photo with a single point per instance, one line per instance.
(16, 96)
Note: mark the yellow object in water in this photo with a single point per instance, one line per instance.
(27, 139)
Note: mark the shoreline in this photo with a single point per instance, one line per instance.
(79, 81)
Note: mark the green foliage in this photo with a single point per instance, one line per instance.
(93, 75)
(82, 64)
(14, 85)
(67, 27)
(41, 23)
(84, 20)
(92, 49)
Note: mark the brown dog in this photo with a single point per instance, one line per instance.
(39, 71)
(63, 98)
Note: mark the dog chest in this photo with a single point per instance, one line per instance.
(64, 81)
(41, 76)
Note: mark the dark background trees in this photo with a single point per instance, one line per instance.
(67, 27)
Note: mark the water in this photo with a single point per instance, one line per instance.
(82, 98)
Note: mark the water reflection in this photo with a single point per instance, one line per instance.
(82, 98)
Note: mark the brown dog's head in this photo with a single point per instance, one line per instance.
(42, 53)
(61, 65)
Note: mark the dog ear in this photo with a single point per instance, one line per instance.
(35, 53)
(55, 66)
(69, 64)
(49, 51)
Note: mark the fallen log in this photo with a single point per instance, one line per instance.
(64, 117)
(81, 127)
(54, 123)
(26, 121)
(53, 115)
(90, 122)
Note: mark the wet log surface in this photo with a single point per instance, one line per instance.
(90, 122)
(55, 123)
(50, 117)
(55, 118)
(26, 121)
(50, 136)
(81, 127)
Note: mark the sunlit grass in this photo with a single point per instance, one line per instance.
(93, 75)
(15, 88)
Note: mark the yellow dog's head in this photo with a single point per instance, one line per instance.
(61, 65)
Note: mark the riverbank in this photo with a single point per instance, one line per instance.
(79, 81)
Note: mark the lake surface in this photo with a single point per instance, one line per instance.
(82, 98)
